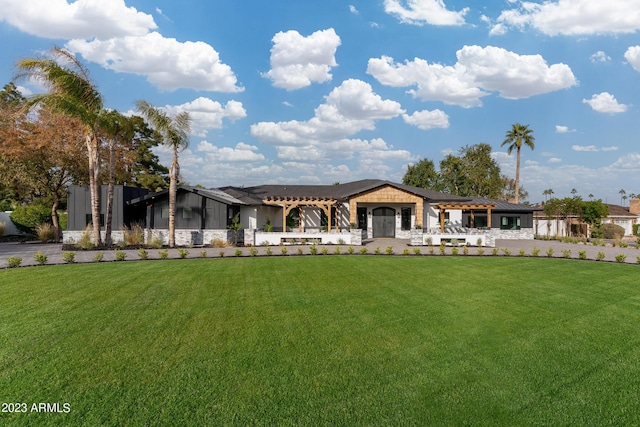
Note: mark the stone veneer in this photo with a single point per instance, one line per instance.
(183, 237)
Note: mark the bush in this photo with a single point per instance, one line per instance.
(283, 250)
(85, 240)
(417, 251)
(156, 243)
(183, 253)
(45, 232)
(429, 241)
(363, 251)
(120, 255)
(454, 250)
(636, 229)
(550, 252)
(203, 253)
(350, 249)
(621, 258)
(238, 252)
(612, 231)
(69, 257)
(324, 250)
(495, 251)
(600, 256)
(143, 253)
(566, 253)
(14, 261)
(377, 250)
(522, 252)
(313, 249)
(219, 243)
(406, 251)
(582, 255)
(337, 250)
(40, 258)
(99, 256)
(133, 236)
(253, 251)
(506, 251)
(268, 251)
(27, 218)
(535, 251)
(300, 251)
(480, 251)
(163, 254)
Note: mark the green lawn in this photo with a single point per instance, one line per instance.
(339, 340)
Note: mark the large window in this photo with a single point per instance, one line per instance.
(362, 218)
(510, 223)
(406, 218)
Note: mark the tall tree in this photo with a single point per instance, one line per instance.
(423, 174)
(473, 173)
(509, 190)
(518, 136)
(71, 92)
(175, 134)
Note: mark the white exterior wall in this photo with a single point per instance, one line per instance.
(9, 228)
(249, 217)
(433, 217)
(549, 227)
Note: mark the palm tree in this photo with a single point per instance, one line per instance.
(515, 138)
(175, 134)
(590, 196)
(574, 192)
(70, 92)
(622, 193)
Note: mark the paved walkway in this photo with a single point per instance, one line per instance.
(54, 252)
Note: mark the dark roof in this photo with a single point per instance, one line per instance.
(617, 210)
(213, 194)
(342, 192)
(503, 206)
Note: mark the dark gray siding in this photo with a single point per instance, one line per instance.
(79, 206)
(192, 212)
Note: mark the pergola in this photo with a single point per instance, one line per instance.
(465, 206)
(289, 203)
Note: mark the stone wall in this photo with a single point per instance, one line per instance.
(522, 234)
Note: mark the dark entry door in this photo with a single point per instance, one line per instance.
(384, 222)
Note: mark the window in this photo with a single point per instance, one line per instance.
(164, 213)
(446, 218)
(186, 213)
(510, 223)
(405, 218)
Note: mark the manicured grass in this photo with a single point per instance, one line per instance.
(340, 340)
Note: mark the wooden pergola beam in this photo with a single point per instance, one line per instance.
(288, 203)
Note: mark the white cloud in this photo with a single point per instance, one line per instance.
(575, 17)
(563, 129)
(241, 153)
(166, 62)
(354, 10)
(605, 103)
(554, 160)
(82, 19)
(592, 148)
(420, 12)
(629, 162)
(298, 61)
(348, 109)
(600, 56)
(427, 119)
(478, 72)
(633, 56)
(208, 114)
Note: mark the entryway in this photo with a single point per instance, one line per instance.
(384, 222)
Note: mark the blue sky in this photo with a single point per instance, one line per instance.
(317, 92)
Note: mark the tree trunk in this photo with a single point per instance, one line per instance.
(112, 179)
(54, 218)
(517, 193)
(173, 181)
(94, 185)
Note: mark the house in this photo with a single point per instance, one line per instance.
(349, 212)
(623, 216)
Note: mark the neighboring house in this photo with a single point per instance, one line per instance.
(376, 208)
(624, 217)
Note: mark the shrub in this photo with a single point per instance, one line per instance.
(612, 231)
(253, 251)
(535, 251)
(566, 253)
(99, 256)
(324, 250)
(416, 251)
(85, 241)
(480, 251)
(495, 251)
(268, 251)
(506, 251)
(337, 250)
(406, 251)
(238, 252)
(14, 261)
(313, 249)
(219, 243)
(429, 241)
(522, 252)
(163, 254)
(479, 242)
(69, 257)
(27, 218)
(283, 250)
(389, 250)
(549, 252)
(183, 253)
(638, 259)
(40, 258)
(143, 253)
(442, 248)
(621, 258)
(636, 229)
(300, 251)
(350, 250)
(45, 232)
(431, 250)
(623, 244)
(582, 255)
(120, 255)
(341, 241)
(133, 236)
(156, 243)
(454, 250)
(364, 251)
(203, 253)
(600, 256)
(465, 250)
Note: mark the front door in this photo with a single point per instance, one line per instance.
(384, 222)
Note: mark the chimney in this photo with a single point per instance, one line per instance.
(634, 206)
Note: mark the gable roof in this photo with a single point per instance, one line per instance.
(342, 192)
(618, 211)
(214, 194)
